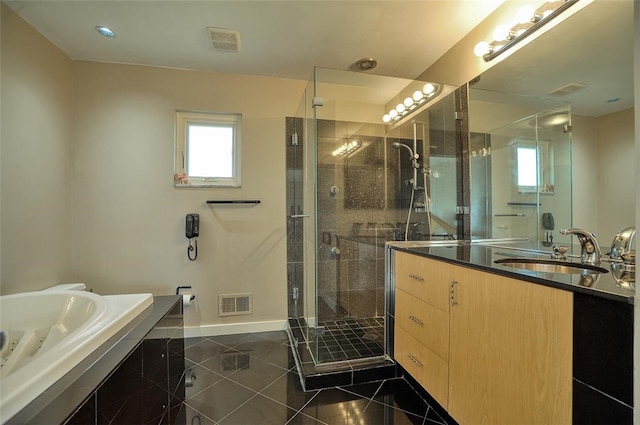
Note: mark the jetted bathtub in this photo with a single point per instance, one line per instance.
(48, 333)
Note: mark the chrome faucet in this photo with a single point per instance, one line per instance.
(591, 253)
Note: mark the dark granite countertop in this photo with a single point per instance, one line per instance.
(481, 256)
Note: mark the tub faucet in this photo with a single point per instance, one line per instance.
(590, 249)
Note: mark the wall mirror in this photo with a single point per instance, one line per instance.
(579, 74)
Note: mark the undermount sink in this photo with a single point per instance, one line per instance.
(550, 266)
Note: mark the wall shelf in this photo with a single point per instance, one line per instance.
(240, 201)
(529, 204)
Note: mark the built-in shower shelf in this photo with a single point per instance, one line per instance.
(235, 201)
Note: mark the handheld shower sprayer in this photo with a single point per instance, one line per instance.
(414, 161)
(414, 157)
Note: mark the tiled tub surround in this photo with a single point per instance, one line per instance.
(81, 385)
(602, 327)
(49, 332)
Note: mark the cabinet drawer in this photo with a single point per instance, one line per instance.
(423, 278)
(424, 322)
(423, 364)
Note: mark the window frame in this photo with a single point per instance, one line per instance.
(544, 166)
(186, 118)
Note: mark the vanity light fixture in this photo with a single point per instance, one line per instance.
(105, 31)
(347, 148)
(429, 90)
(528, 20)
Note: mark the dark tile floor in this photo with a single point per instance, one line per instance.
(251, 379)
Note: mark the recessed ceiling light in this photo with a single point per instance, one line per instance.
(106, 31)
(366, 64)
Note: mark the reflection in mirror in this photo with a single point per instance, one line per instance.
(584, 62)
(525, 164)
(430, 205)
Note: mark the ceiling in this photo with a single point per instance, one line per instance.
(283, 39)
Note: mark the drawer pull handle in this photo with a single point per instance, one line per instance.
(416, 277)
(416, 320)
(416, 361)
(452, 293)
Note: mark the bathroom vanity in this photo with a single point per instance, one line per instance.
(492, 344)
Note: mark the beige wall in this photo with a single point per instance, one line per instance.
(87, 180)
(616, 180)
(129, 218)
(36, 141)
(603, 173)
(585, 172)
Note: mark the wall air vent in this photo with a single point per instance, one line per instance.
(224, 39)
(234, 304)
(567, 89)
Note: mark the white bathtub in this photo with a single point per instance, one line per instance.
(48, 333)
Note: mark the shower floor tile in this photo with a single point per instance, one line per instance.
(351, 339)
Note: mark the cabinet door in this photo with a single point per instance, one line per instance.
(510, 351)
(423, 278)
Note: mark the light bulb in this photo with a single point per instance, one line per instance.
(526, 14)
(502, 33)
(482, 49)
(386, 118)
(400, 107)
(546, 13)
(408, 102)
(393, 113)
(428, 88)
(417, 95)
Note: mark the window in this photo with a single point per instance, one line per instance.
(534, 166)
(527, 167)
(207, 149)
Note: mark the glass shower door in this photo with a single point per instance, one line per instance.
(356, 198)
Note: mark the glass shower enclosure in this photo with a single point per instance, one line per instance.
(359, 175)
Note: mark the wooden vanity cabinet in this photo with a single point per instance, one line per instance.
(422, 322)
(510, 345)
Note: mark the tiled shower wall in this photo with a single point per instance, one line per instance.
(295, 181)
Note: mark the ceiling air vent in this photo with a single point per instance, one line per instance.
(224, 39)
(234, 304)
(567, 89)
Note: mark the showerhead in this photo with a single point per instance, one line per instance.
(398, 145)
